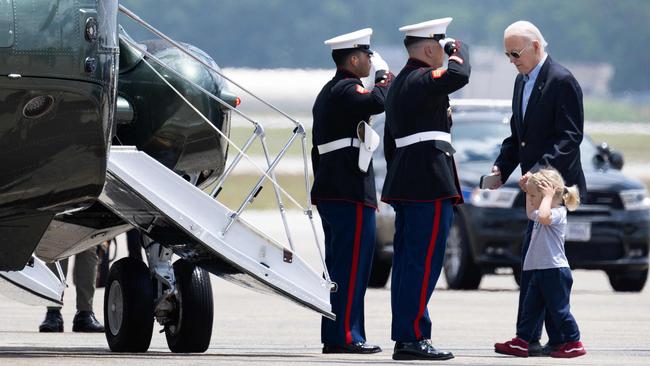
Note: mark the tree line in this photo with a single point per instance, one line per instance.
(290, 33)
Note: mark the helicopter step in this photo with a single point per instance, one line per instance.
(182, 219)
(35, 284)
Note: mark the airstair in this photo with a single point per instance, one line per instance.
(183, 219)
(36, 284)
(197, 227)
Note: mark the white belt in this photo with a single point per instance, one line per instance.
(338, 144)
(422, 136)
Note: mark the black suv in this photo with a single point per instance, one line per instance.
(610, 231)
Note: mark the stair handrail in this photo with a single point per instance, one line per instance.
(269, 173)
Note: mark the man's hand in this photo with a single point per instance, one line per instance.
(383, 77)
(523, 180)
(496, 171)
(448, 45)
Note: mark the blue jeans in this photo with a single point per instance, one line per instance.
(549, 291)
(554, 336)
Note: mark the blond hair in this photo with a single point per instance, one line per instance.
(570, 196)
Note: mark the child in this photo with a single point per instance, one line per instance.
(550, 285)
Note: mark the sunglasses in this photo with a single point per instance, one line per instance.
(516, 54)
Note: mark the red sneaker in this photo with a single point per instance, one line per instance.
(569, 350)
(515, 347)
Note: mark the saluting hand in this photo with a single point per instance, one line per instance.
(449, 45)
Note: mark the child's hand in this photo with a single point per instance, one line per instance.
(546, 188)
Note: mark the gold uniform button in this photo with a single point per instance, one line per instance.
(523, 144)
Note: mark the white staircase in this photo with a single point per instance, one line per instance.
(188, 221)
(35, 284)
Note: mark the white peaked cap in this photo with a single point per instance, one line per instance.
(427, 29)
(359, 39)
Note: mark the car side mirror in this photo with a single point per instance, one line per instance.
(616, 160)
(610, 156)
(600, 160)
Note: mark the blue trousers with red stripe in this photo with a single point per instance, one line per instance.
(349, 246)
(421, 231)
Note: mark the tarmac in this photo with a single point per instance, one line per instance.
(259, 329)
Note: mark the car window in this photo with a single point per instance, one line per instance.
(479, 138)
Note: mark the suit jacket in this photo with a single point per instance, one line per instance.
(552, 129)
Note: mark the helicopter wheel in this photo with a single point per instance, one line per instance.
(128, 306)
(191, 331)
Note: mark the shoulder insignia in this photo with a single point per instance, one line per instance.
(457, 59)
(361, 90)
(436, 74)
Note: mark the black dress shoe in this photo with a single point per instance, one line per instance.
(359, 347)
(535, 349)
(419, 350)
(85, 322)
(53, 322)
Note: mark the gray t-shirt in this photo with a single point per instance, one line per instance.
(546, 248)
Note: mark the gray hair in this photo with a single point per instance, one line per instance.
(525, 29)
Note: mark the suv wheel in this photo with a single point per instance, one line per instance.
(460, 270)
(628, 281)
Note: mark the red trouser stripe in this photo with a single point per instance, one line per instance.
(353, 271)
(427, 270)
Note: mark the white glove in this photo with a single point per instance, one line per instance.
(444, 42)
(379, 62)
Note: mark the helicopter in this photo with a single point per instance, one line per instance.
(100, 134)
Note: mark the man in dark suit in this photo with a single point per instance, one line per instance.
(546, 130)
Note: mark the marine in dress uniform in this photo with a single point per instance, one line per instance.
(344, 186)
(421, 183)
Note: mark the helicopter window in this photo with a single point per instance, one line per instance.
(57, 23)
(6, 24)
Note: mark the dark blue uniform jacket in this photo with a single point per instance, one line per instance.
(339, 107)
(418, 101)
